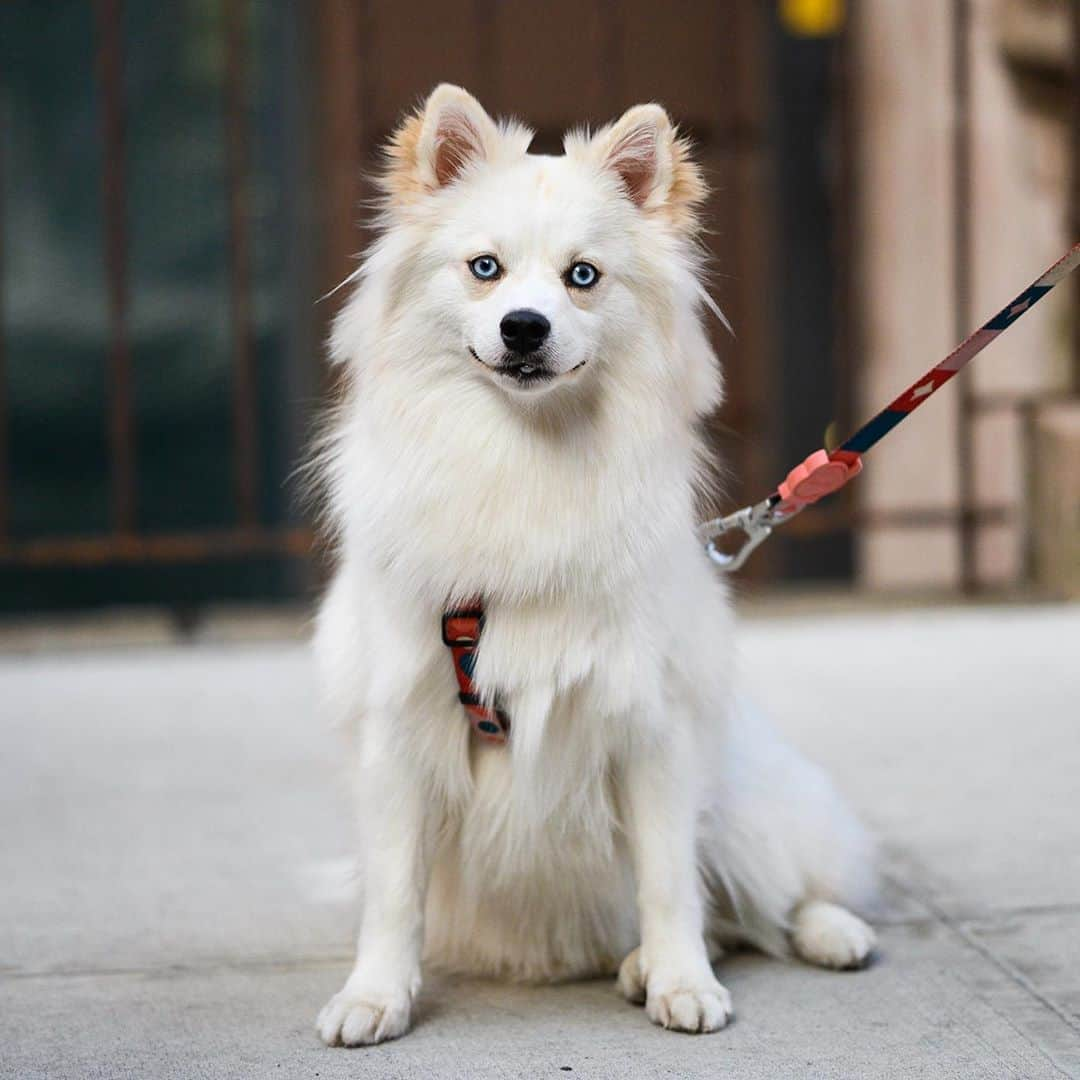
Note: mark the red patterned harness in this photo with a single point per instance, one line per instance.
(461, 629)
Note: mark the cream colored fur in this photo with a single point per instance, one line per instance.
(638, 812)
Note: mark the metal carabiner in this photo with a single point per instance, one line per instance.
(755, 522)
(819, 475)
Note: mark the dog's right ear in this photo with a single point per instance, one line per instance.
(433, 147)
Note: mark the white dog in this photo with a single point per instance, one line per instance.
(527, 374)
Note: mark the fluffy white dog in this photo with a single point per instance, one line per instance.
(527, 375)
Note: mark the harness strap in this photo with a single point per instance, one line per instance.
(461, 629)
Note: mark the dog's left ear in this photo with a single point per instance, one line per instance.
(653, 164)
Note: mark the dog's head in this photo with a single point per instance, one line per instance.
(531, 272)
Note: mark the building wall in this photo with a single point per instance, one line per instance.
(959, 208)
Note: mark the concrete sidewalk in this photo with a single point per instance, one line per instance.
(168, 815)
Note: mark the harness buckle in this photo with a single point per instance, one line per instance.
(462, 626)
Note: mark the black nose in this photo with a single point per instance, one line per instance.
(524, 331)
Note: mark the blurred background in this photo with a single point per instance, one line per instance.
(180, 183)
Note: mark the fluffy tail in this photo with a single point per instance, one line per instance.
(778, 834)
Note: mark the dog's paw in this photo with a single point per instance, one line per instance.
(683, 1007)
(831, 936)
(363, 1016)
(695, 1004)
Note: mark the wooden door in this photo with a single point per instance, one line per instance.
(557, 65)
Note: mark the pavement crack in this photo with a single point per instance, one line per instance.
(1012, 973)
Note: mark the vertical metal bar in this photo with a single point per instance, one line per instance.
(110, 66)
(245, 417)
(343, 39)
(301, 577)
(962, 194)
(1027, 413)
(1074, 207)
(5, 486)
(340, 54)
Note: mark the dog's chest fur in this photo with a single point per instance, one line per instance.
(532, 878)
(532, 860)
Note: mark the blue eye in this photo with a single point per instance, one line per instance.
(485, 267)
(582, 275)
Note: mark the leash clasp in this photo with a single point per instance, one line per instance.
(755, 522)
(819, 475)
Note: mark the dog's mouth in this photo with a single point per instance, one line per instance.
(525, 373)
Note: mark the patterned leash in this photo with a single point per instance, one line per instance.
(824, 472)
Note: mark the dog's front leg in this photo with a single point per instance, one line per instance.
(671, 970)
(376, 1001)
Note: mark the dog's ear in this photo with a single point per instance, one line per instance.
(653, 164)
(434, 146)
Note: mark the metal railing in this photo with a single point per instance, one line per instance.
(124, 543)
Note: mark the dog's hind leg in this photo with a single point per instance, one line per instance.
(830, 936)
(783, 856)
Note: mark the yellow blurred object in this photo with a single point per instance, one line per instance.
(812, 18)
(831, 439)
